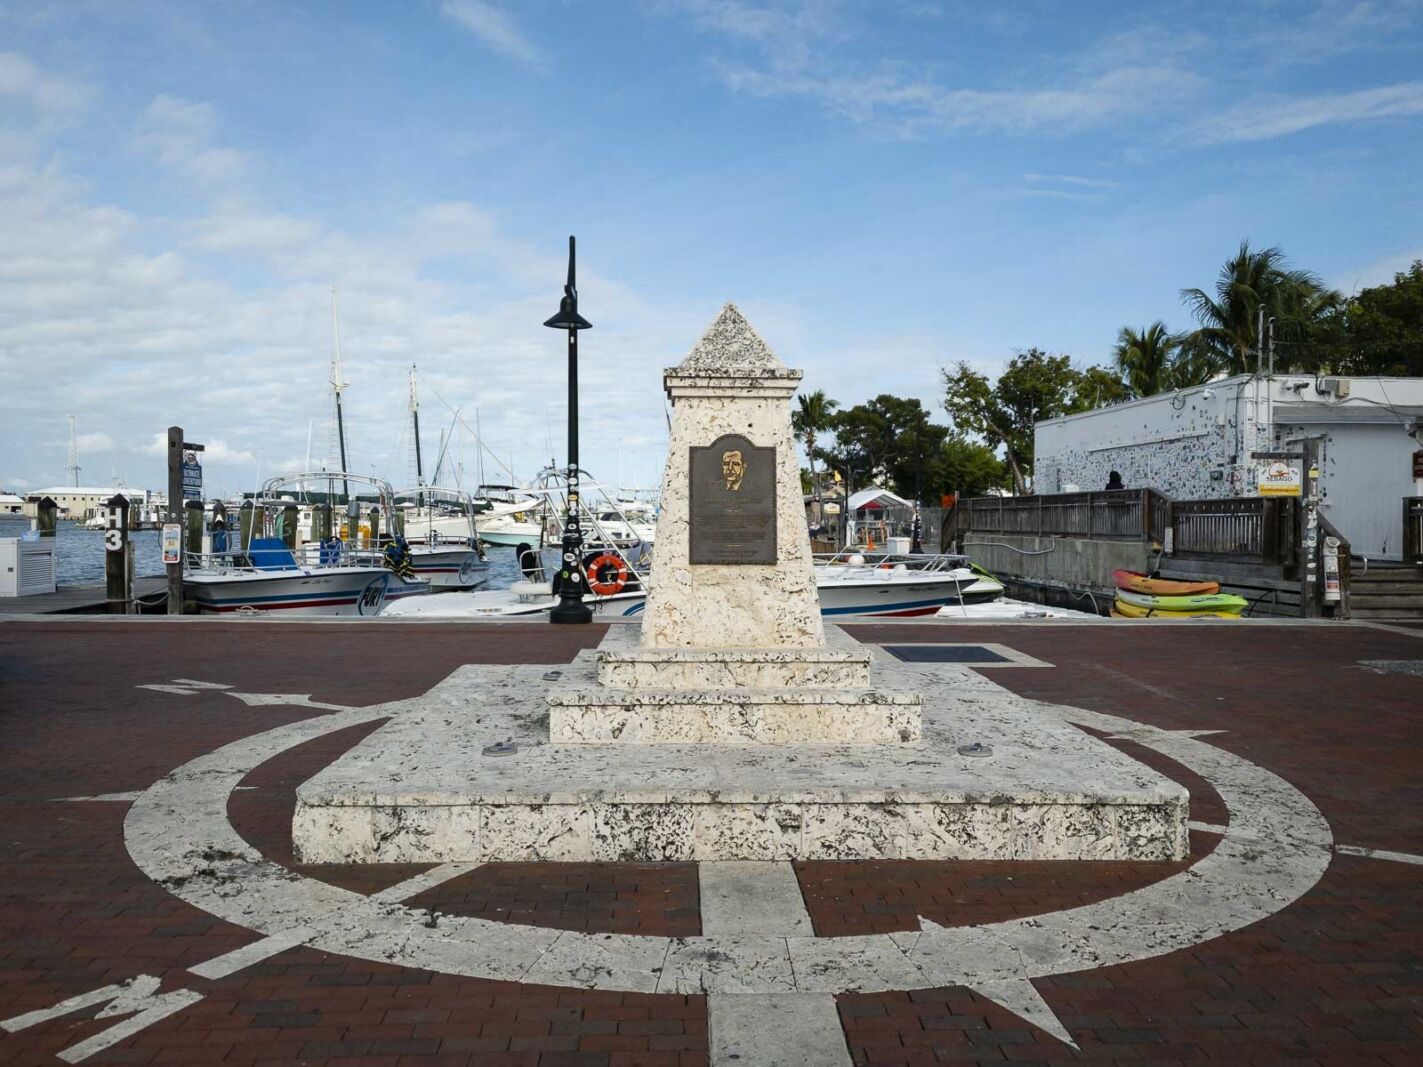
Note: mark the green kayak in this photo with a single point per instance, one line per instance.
(1202, 602)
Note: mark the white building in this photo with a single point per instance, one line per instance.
(1196, 444)
(82, 502)
(10, 504)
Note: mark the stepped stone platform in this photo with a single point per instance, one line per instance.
(748, 696)
(422, 789)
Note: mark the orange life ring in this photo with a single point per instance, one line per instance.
(599, 579)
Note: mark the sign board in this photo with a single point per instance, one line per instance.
(192, 476)
(732, 516)
(1418, 464)
(172, 542)
(1278, 478)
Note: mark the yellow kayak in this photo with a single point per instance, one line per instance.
(1131, 611)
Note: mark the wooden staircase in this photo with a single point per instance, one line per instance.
(1385, 591)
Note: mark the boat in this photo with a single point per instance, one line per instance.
(849, 584)
(1123, 610)
(507, 520)
(1136, 582)
(268, 568)
(1202, 602)
(445, 546)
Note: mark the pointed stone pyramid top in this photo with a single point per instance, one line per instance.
(732, 348)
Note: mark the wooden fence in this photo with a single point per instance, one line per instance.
(1247, 529)
(1241, 529)
(1119, 515)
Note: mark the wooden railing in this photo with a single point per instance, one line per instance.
(1413, 529)
(1257, 529)
(1246, 529)
(1119, 514)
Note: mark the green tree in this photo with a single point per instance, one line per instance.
(813, 416)
(1229, 319)
(1033, 387)
(888, 440)
(966, 467)
(1377, 331)
(1096, 387)
(1145, 358)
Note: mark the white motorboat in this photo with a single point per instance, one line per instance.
(268, 576)
(445, 546)
(849, 584)
(269, 569)
(508, 520)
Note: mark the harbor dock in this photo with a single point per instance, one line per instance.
(75, 599)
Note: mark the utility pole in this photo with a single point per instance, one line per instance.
(172, 528)
(570, 607)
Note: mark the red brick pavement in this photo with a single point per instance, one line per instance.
(1333, 979)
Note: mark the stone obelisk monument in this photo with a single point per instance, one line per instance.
(732, 566)
(732, 647)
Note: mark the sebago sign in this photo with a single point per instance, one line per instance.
(1279, 479)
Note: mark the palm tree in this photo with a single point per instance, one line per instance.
(1194, 363)
(812, 417)
(1145, 357)
(1229, 319)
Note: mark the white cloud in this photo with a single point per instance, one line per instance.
(494, 27)
(913, 106)
(133, 334)
(1261, 120)
(90, 444)
(48, 94)
(236, 227)
(179, 134)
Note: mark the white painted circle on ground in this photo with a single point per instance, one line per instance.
(1274, 850)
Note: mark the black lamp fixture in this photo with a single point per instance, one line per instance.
(570, 607)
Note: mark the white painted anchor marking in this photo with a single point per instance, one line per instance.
(134, 996)
(1274, 850)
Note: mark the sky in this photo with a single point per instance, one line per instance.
(884, 188)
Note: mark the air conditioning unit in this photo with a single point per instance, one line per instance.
(1335, 387)
(26, 567)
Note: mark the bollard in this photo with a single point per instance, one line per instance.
(118, 556)
(291, 522)
(246, 518)
(374, 520)
(321, 523)
(397, 522)
(193, 526)
(46, 516)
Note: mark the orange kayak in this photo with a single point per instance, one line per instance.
(1136, 582)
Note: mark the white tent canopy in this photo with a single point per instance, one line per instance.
(877, 497)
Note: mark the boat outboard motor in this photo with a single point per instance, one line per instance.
(529, 563)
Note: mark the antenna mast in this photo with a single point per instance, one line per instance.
(337, 386)
(73, 465)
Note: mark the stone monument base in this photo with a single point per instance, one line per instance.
(423, 789)
(730, 696)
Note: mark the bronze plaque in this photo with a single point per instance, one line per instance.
(733, 503)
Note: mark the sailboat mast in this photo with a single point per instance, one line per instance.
(415, 426)
(337, 385)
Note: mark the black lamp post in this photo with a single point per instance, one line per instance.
(570, 607)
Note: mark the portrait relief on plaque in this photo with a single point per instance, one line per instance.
(733, 503)
(733, 468)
